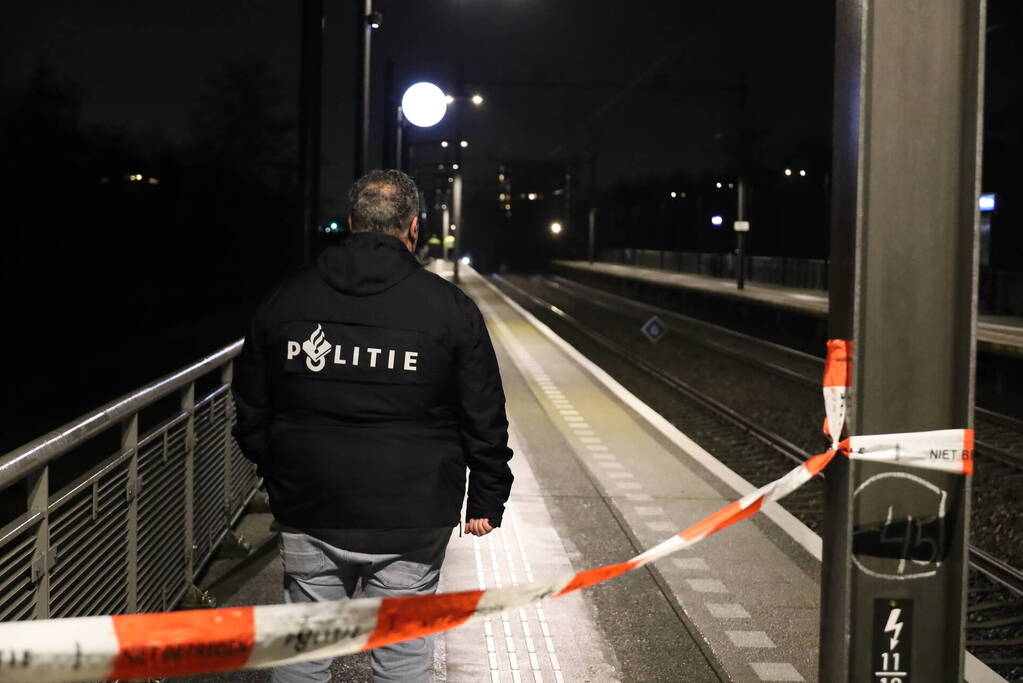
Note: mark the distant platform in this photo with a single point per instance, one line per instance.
(995, 334)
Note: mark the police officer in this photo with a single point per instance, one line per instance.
(365, 389)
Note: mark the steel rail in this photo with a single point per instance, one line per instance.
(20, 462)
(984, 449)
(1002, 573)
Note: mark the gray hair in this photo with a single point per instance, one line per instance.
(384, 200)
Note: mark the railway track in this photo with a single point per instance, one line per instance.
(995, 606)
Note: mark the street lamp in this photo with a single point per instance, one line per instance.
(422, 105)
(477, 99)
(556, 228)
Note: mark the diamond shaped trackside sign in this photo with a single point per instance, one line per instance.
(654, 329)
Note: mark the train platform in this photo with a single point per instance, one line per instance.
(599, 478)
(996, 334)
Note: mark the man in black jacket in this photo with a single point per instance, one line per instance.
(366, 386)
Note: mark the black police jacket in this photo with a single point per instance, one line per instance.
(365, 388)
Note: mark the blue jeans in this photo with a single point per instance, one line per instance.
(315, 570)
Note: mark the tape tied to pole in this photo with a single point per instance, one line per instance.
(207, 641)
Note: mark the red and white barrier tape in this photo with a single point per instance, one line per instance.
(203, 641)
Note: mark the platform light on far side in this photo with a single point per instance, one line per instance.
(463, 144)
(556, 228)
(788, 171)
(717, 185)
(455, 166)
(444, 144)
(477, 99)
(802, 172)
(716, 220)
(674, 194)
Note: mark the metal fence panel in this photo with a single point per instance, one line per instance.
(124, 536)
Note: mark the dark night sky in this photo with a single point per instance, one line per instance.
(142, 64)
(654, 83)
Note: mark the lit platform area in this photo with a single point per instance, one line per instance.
(997, 334)
(599, 478)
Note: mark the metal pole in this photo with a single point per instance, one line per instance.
(446, 217)
(593, 233)
(456, 217)
(908, 112)
(390, 103)
(399, 138)
(309, 126)
(364, 33)
(740, 251)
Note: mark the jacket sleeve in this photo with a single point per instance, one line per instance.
(252, 396)
(483, 423)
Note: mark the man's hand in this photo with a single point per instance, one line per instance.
(478, 527)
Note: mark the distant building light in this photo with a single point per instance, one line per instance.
(444, 144)
(455, 166)
(788, 171)
(507, 207)
(718, 185)
(444, 207)
(477, 99)
(716, 220)
(450, 179)
(802, 172)
(674, 194)
(500, 177)
(501, 197)
(730, 186)
(556, 228)
(683, 195)
(452, 227)
(986, 202)
(531, 196)
(154, 181)
(463, 144)
(333, 225)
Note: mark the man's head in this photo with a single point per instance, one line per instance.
(385, 201)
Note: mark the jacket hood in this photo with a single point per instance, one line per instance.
(366, 263)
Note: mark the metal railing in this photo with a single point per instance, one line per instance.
(788, 272)
(1000, 292)
(131, 533)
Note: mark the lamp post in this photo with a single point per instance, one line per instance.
(366, 21)
(423, 105)
(309, 128)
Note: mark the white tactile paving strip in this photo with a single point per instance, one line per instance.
(554, 642)
(630, 477)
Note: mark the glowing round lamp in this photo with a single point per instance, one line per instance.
(423, 104)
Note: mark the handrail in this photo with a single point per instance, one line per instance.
(18, 463)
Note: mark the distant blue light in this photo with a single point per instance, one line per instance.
(333, 226)
(986, 202)
(716, 220)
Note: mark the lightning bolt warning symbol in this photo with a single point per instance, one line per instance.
(894, 626)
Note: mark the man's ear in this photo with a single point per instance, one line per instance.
(349, 222)
(414, 228)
